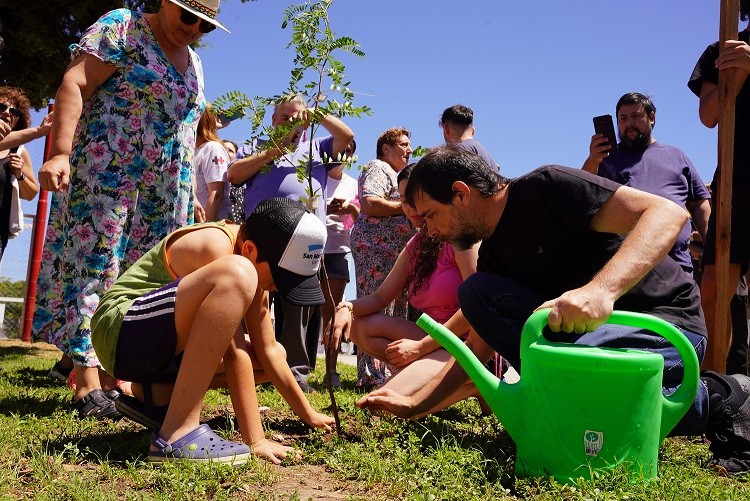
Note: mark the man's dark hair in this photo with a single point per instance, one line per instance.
(636, 98)
(404, 173)
(457, 114)
(436, 172)
(744, 9)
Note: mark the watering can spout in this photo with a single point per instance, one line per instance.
(499, 396)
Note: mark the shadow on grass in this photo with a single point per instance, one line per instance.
(28, 391)
(9, 352)
(33, 378)
(93, 444)
(31, 405)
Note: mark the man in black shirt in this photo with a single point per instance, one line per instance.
(554, 239)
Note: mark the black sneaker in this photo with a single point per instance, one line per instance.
(96, 404)
(729, 424)
(59, 372)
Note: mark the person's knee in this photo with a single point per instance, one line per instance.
(357, 332)
(234, 353)
(238, 274)
(469, 287)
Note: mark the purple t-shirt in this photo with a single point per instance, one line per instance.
(475, 146)
(281, 179)
(662, 170)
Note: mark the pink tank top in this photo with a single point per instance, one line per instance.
(438, 297)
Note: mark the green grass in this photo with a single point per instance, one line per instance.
(458, 454)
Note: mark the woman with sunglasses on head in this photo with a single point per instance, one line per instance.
(121, 169)
(15, 161)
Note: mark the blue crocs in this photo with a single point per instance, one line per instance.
(202, 445)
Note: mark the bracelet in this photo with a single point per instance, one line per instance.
(347, 305)
(21, 177)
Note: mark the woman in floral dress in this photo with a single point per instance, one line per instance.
(379, 234)
(121, 166)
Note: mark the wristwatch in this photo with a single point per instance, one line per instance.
(21, 177)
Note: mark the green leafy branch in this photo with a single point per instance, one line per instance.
(315, 67)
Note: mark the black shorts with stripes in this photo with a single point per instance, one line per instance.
(148, 339)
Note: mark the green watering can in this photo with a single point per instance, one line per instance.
(582, 408)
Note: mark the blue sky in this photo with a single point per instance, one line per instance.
(535, 73)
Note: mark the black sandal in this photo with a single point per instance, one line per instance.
(96, 404)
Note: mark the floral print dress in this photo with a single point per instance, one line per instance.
(376, 243)
(130, 177)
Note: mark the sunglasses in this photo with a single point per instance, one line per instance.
(190, 19)
(10, 109)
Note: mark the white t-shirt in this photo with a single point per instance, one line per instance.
(338, 241)
(211, 162)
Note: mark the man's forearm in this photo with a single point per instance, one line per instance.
(342, 134)
(243, 169)
(647, 244)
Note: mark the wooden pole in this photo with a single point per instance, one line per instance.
(728, 29)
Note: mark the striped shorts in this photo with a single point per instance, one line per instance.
(148, 339)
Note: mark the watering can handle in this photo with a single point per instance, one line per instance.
(674, 405)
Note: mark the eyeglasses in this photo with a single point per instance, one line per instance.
(10, 109)
(188, 18)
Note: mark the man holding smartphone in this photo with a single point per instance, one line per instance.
(645, 164)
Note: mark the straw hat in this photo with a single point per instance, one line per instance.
(204, 9)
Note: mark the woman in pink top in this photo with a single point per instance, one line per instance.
(431, 272)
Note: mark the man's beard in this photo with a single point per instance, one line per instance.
(469, 234)
(641, 141)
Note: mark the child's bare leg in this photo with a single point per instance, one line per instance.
(373, 333)
(209, 306)
(418, 373)
(161, 393)
(415, 375)
(91, 378)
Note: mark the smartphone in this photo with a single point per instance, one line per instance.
(225, 118)
(605, 125)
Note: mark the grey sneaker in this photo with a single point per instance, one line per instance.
(729, 424)
(305, 386)
(335, 381)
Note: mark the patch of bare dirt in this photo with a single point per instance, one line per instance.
(310, 482)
